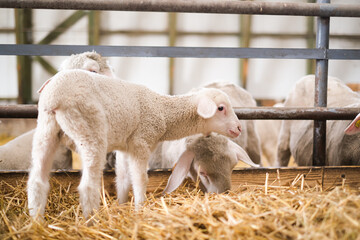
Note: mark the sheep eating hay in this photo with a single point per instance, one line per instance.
(97, 114)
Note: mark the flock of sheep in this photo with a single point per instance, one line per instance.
(85, 108)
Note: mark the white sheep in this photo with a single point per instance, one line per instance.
(296, 137)
(211, 158)
(214, 155)
(269, 133)
(99, 114)
(16, 155)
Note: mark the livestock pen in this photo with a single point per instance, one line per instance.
(265, 203)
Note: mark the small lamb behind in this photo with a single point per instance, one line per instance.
(98, 114)
(16, 154)
(213, 157)
(296, 137)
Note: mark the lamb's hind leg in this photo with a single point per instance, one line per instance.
(45, 142)
(93, 160)
(90, 137)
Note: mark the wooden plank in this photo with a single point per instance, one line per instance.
(324, 177)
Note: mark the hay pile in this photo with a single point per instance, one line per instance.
(247, 213)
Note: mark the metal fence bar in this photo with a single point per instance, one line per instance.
(180, 52)
(30, 111)
(199, 6)
(321, 83)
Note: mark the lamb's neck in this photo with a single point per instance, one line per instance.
(182, 119)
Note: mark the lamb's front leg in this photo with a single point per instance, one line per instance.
(122, 176)
(139, 179)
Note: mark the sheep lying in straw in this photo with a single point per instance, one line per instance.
(212, 157)
(16, 154)
(97, 114)
(296, 137)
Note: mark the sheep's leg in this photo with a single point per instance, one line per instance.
(45, 142)
(139, 179)
(90, 184)
(283, 151)
(122, 176)
(88, 131)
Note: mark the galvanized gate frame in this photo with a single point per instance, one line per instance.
(323, 9)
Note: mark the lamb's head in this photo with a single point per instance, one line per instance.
(214, 106)
(354, 126)
(209, 158)
(90, 61)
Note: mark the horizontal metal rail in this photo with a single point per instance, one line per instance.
(180, 52)
(30, 111)
(199, 6)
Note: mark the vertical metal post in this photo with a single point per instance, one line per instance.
(321, 74)
(245, 37)
(23, 21)
(172, 41)
(94, 28)
(310, 41)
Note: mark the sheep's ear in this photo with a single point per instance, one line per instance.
(92, 66)
(206, 107)
(44, 85)
(354, 126)
(240, 154)
(180, 171)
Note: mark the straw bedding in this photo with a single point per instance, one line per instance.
(249, 212)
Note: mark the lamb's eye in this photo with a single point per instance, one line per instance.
(220, 108)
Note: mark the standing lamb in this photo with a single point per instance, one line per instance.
(296, 137)
(214, 155)
(16, 154)
(99, 114)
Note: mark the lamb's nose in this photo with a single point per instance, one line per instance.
(239, 128)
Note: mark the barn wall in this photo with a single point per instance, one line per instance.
(267, 78)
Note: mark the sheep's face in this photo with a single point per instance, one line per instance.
(90, 61)
(212, 164)
(215, 107)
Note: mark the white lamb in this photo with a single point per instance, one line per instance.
(213, 156)
(16, 154)
(98, 114)
(296, 136)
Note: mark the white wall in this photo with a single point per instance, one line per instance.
(268, 78)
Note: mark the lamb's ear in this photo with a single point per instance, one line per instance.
(206, 107)
(180, 171)
(44, 85)
(240, 153)
(354, 126)
(92, 66)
